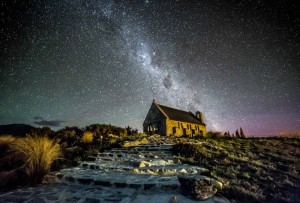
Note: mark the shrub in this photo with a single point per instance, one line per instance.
(290, 135)
(38, 153)
(142, 135)
(213, 135)
(87, 137)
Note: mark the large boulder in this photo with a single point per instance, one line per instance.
(197, 186)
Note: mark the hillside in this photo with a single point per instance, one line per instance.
(17, 130)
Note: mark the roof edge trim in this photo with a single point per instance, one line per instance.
(157, 105)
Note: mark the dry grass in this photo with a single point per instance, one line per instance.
(6, 139)
(5, 142)
(38, 153)
(253, 169)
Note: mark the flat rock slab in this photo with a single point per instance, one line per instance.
(96, 194)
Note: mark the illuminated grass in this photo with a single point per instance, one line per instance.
(38, 153)
(256, 169)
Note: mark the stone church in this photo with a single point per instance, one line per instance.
(169, 121)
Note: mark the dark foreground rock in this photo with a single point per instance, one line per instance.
(197, 186)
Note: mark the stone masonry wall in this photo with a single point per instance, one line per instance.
(180, 126)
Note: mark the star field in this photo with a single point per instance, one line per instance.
(75, 63)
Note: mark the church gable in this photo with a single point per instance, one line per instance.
(155, 121)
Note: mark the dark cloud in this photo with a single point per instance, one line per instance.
(51, 123)
(167, 82)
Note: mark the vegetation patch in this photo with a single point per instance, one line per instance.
(251, 169)
(27, 159)
(38, 154)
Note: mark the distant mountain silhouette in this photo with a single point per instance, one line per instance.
(17, 130)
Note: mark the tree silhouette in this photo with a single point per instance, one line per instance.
(242, 133)
(237, 134)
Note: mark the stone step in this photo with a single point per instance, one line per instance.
(136, 152)
(166, 148)
(122, 181)
(155, 169)
(120, 156)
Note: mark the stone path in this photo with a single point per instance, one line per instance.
(144, 174)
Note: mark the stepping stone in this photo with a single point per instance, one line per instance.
(72, 199)
(85, 180)
(113, 199)
(103, 183)
(170, 186)
(36, 200)
(148, 186)
(91, 200)
(70, 178)
(12, 198)
(21, 193)
(51, 197)
(85, 165)
(121, 185)
(135, 185)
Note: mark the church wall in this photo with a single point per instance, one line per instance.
(180, 127)
(155, 119)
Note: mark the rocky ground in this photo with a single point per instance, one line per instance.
(138, 173)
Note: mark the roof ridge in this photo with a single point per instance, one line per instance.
(161, 110)
(178, 114)
(174, 108)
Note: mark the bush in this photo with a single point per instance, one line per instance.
(195, 151)
(38, 153)
(87, 137)
(290, 135)
(213, 135)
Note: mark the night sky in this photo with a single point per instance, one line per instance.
(80, 62)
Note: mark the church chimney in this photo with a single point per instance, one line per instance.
(199, 116)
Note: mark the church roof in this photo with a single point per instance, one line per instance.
(179, 115)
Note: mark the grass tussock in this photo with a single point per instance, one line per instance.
(6, 139)
(38, 153)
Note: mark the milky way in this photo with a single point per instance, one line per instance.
(75, 63)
